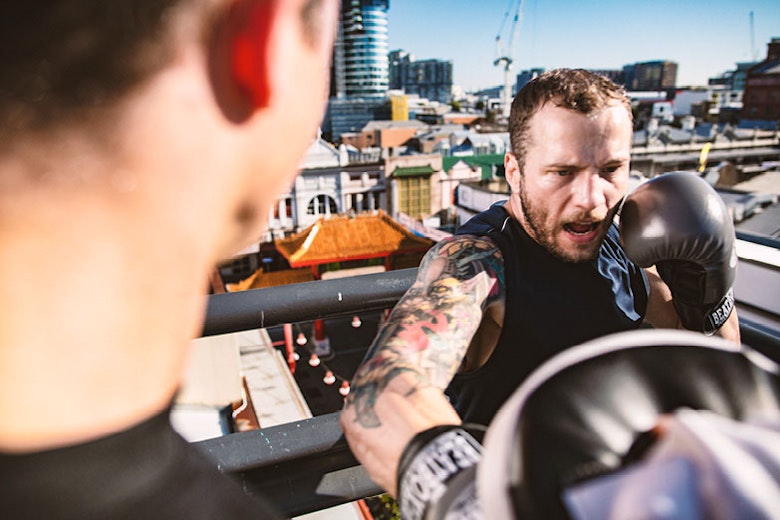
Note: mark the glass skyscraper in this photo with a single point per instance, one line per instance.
(360, 64)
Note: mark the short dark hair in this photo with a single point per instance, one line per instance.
(575, 89)
(61, 60)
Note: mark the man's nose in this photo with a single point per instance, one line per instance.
(589, 190)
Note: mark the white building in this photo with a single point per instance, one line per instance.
(327, 185)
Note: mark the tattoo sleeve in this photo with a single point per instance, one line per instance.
(429, 330)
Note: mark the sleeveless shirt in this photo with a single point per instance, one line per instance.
(550, 305)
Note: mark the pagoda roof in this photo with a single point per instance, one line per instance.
(342, 238)
(260, 279)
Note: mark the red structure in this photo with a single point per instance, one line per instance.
(761, 100)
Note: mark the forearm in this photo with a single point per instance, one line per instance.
(398, 389)
(429, 331)
(417, 348)
(730, 329)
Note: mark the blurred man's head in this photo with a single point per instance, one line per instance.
(241, 83)
(141, 142)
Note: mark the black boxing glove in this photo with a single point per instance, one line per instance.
(679, 223)
(437, 473)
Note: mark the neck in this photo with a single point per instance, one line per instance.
(93, 336)
(514, 206)
(105, 256)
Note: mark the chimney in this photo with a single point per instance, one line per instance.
(773, 50)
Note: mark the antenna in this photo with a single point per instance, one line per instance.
(752, 38)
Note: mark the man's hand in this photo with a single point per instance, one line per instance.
(678, 223)
(403, 416)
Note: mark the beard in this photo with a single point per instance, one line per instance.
(544, 230)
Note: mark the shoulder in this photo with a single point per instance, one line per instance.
(463, 257)
(466, 247)
(491, 220)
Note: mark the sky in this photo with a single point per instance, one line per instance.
(704, 37)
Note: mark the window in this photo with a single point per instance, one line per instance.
(322, 205)
(414, 194)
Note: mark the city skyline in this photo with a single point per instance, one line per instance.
(705, 38)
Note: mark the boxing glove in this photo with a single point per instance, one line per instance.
(437, 473)
(679, 223)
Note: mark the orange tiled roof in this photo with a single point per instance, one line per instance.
(339, 238)
(259, 279)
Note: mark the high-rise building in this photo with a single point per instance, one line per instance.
(650, 76)
(525, 76)
(615, 75)
(431, 79)
(398, 61)
(359, 75)
(360, 63)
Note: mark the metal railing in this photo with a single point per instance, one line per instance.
(306, 466)
(302, 466)
(261, 308)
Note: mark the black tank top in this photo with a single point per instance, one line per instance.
(145, 472)
(550, 305)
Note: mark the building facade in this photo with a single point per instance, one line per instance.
(474, 197)
(349, 115)
(733, 79)
(359, 70)
(650, 76)
(761, 100)
(362, 49)
(431, 79)
(525, 76)
(326, 186)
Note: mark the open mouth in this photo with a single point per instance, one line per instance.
(582, 229)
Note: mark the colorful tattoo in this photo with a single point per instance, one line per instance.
(429, 330)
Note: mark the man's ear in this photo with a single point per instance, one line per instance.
(511, 171)
(239, 58)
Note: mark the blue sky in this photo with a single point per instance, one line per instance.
(705, 38)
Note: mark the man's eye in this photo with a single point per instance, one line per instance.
(562, 173)
(609, 170)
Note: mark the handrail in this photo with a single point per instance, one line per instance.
(273, 306)
(306, 466)
(759, 239)
(301, 467)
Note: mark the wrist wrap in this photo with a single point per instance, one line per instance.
(432, 461)
(718, 316)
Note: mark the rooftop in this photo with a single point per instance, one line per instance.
(348, 237)
(413, 171)
(486, 162)
(260, 279)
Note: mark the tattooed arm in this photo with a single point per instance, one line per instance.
(398, 390)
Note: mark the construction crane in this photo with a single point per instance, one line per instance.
(504, 50)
